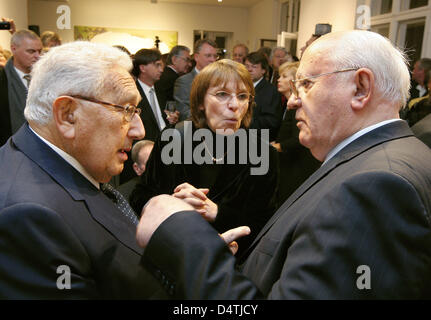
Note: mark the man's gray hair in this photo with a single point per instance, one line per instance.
(274, 50)
(77, 68)
(366, 49)
(18, 36)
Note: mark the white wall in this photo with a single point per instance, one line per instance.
(339, 13)
(263, 22)
(136, 14)
(16, 10)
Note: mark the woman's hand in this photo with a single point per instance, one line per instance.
(198, 199)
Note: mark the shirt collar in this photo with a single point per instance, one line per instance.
(355, 136)
(257, 82)
(145, 87)
(70, 160)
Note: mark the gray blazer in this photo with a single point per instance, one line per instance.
(358, 228)
(182, 88)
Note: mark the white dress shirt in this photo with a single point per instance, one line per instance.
(159, 116)
(355, 136)
(21, 76)
(70, 160)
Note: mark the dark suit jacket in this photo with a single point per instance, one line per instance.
(165, 86)
(182, 88)
(368, 207)
(5, 125)
(51, 216)
(268, 111)
(296, 161)
(422, 130)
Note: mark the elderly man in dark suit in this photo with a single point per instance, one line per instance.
(14, 80)
(61, 237)
(205, 52)
(358, 228)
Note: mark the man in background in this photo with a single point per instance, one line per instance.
(178, 62)
(268, 112)
(204, 52)
(140, 153)
(15, 78)
(239, 53)
(279, 55)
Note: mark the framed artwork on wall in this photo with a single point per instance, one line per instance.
(132, 39)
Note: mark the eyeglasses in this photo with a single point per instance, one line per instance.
(226, 97)
(298, 83)
(188, 60)
(129, 110)
(209, 55)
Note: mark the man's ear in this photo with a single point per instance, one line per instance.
(64, 111)
(364, 81)
(142, 68)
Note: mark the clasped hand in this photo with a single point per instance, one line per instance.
(198, 199)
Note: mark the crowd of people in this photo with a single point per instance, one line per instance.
(338, 186)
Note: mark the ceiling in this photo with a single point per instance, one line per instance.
(225, 3)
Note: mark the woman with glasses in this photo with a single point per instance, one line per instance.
(224, 189)
(296, 161)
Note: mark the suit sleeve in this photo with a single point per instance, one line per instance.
(182, 96)
(34, 243)
(196, 263)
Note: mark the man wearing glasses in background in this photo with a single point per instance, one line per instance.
(64, 233)
(177, 64)
(358, 228)
(205, 52)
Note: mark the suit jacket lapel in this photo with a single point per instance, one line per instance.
(391, 131)
(100, 207)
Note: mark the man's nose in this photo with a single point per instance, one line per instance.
(293, 102)
(136, 130)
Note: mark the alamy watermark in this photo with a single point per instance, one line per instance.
(240, 147)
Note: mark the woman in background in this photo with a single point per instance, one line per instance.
(296, 161)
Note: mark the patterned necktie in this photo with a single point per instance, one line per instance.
(120, 202)
(154, 106)
(27, 77)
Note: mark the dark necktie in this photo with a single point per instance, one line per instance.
(27, 77)
(120, 202)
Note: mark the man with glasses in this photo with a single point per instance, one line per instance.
(61, 237)
(205, 52)
(178, 63)
(358, 228)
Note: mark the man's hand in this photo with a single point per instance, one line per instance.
(157, 210)
(231, 235)
(12, 24)
(198, 199)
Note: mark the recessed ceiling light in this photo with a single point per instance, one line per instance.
(220, 0)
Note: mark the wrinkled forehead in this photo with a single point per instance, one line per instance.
(315, 60)
(120, 84)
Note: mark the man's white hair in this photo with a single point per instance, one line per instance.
(77, 68)
(366, 49)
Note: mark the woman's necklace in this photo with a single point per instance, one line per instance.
(215, 160)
